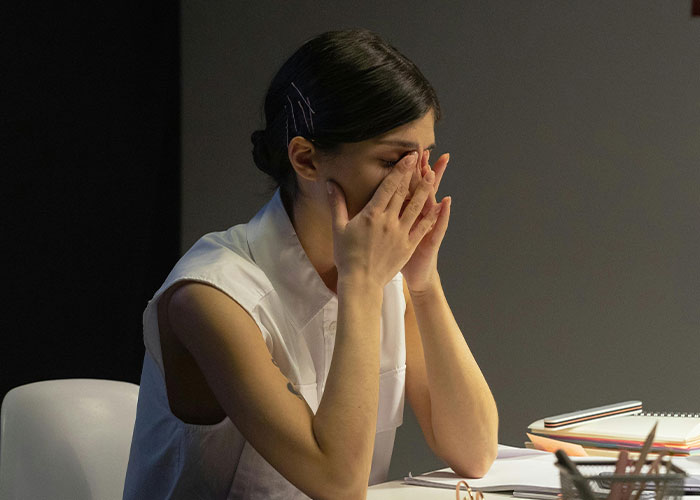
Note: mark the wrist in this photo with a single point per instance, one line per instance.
(427, 291)
(363, 297)
(359, 284)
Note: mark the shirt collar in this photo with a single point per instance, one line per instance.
(276, 249)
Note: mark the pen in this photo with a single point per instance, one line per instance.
(653, 469)
(564, 462)
(627, 489)
(645, 449)
(616, 490)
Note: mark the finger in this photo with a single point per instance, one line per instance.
(401, 191)
(339, 209)
(425, 168)
(430, 202)
(418, 174)
(418, 202)
(384, 193)
(420, 171)
(440, 166)
(440, 227)
(424, 225)
(424, 163)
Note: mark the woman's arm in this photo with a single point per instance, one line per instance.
(325, 456)
(329, 454)
(445, 386)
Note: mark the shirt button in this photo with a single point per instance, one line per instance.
(331, 326)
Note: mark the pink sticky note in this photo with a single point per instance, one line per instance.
(548, 444)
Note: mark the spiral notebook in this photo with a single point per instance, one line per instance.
(677, 433)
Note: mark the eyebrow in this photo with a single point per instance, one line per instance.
(404, 144)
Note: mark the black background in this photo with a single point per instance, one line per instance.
(91, 209)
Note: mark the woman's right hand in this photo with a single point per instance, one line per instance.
(376, 243)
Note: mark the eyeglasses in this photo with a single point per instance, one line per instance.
(476, 496)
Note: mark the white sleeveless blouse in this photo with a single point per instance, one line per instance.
(263, 267)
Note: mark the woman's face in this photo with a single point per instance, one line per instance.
(360, 167)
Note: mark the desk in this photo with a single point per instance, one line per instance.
(396, 490)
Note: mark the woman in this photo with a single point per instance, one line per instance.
(279, 351)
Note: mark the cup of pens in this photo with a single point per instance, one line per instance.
(604, 480)
(626, 479)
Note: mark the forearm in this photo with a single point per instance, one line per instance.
(464, 415)
(345, 422)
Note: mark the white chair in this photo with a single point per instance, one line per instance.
(66, 439)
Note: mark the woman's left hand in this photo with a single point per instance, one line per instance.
(421, 269)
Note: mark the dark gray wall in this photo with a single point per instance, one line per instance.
(571, 261)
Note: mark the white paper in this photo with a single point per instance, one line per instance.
(691, 465)
(531, 471)
(524, 472)
(505, 451)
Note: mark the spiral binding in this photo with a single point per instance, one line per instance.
(669, 414)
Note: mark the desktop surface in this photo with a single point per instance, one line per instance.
(396, 490)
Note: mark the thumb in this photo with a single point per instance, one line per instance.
(339, 210)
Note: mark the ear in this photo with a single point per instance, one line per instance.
(301, 155)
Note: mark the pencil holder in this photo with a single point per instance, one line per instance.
(598, 481)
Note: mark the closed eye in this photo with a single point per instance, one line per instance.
(390, 163)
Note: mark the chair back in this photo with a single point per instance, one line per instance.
(66, 439)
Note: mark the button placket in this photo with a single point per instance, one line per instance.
(326, 320)
(329, 328)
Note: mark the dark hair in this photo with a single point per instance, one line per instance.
(339, 87)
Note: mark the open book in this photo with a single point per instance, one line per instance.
(515, 469)
(531, 474)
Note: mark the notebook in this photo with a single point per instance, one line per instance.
(518, 469)
(677, 434)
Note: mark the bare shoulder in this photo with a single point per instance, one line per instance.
(194, 297)
(191, 318)
(193, 307)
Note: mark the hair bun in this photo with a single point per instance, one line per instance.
(261, 155)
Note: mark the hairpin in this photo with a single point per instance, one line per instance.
(292, 108)
(286, 123)
(307, 103)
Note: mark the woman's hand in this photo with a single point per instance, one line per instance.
(376, 243)
(421, 269)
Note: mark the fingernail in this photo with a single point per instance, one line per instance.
(448, 158)
(410, 160)
(329, 187)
